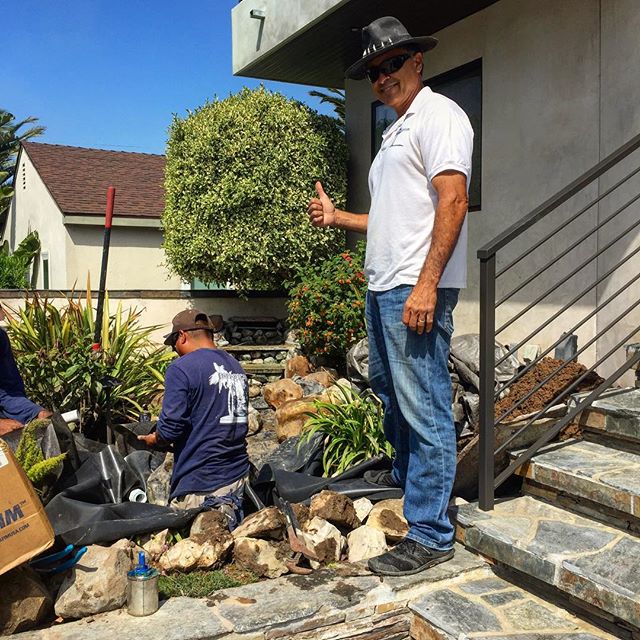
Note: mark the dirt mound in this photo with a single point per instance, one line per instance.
(554, 388)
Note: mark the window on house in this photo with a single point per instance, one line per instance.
(198, 285)
(464, 86)
(45, 269)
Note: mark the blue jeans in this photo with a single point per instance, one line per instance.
(408, 372)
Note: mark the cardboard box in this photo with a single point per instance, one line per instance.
(25, 530)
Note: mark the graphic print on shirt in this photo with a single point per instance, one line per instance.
(235, 385)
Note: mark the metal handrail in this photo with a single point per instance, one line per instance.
(550, 205)
(488, 275)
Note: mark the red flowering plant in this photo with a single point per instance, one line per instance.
(326, 304)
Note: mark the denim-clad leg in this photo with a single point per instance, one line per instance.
(409, 373)
(380, 380)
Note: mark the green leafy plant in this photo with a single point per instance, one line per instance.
(60, 370)
(13, 267)
(11, 136)
(352, 426)
(326, 306)
(29, 454)
(239, 175)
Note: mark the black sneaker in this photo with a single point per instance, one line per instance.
(406, 558)
(381, 478)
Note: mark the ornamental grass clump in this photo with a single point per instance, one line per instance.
(60, 370)
(352, 426)
(326, 305)
(239, 175)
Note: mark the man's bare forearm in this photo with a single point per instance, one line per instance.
(351, 221)
(446, 230)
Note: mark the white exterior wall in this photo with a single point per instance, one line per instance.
(159, 311)
(560, 92)
(252, 37)
(136, 259)
(34, 209)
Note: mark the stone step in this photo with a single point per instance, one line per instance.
(487, 606)
(604, 480)
(615, 415)
(593, 562)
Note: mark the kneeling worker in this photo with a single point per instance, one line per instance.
(204, 415)
(16, 409)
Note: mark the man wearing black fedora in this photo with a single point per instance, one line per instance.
(415, 266)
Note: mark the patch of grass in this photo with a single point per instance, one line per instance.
(201, 584)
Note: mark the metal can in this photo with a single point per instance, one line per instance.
(142, 588)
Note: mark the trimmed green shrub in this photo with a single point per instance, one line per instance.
(326, 306)
(352, 426)
(14, 267)
(53, 352)
(240, 173)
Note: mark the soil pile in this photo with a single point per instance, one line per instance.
(553, 388)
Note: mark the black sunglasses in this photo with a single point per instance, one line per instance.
(388, 66)
(173, 338)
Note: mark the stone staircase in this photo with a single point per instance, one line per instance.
(565, 552)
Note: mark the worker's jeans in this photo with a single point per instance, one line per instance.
(408, 372)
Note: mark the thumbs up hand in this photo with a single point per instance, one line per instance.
(321, 211)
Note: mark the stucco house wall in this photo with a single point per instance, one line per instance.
(33, 208)
(74, 243)
(557, 98)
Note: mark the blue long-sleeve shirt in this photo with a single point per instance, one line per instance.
(204, 415)
(13, 399)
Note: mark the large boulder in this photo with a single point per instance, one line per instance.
(266, 523)
(297, 366)
(387, 516)
(157, 544)
(334, 507)
(187, 555)
(260, 556)
(209, 526)
(281, 391)
(365, 542)
(323, 539)
(25, 601)
(97, 583)
(323, 377)
(292, 416)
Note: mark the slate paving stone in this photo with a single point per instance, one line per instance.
(462, 610)
(500, 599)
(589, 560)
(176, 619)
(618, 414)
(455, 614)
(297, 598)
(591, 471)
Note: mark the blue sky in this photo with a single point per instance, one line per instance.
(110, 74)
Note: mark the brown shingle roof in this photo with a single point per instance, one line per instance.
(78, 178)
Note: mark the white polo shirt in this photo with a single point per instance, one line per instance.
(433, 136)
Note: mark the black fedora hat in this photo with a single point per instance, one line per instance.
(380, 36)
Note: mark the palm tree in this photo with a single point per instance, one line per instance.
(338, 101)
(10, 140)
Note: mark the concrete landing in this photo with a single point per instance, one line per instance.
(615, 415)
(589, 471)
(491, 608)
(593, 562)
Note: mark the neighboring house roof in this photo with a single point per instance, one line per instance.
(78, 178)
